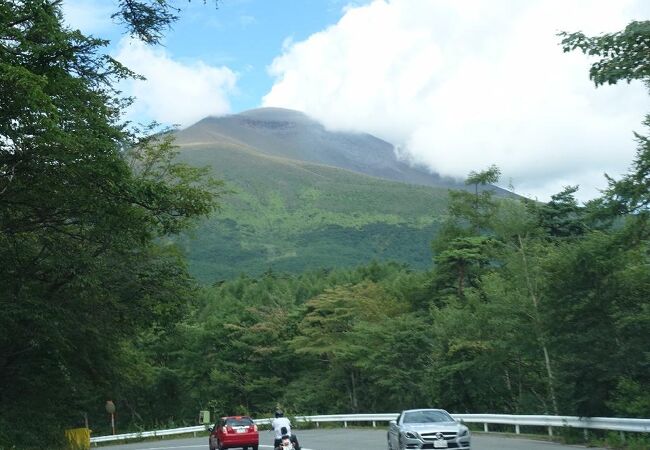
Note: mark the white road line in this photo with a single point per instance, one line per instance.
(164, 448)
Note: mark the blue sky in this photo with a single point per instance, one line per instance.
(244, 35)
(455, 85)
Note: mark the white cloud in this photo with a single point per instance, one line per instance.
(462, 85)
(174, 92)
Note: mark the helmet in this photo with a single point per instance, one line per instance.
(279, 413)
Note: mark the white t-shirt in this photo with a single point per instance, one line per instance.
(277, 425)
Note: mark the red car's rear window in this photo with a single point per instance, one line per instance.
(239, 421)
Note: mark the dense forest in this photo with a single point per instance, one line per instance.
(527, 307)
(530, 308)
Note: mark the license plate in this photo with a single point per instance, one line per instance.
(439, 443)
(243, 430)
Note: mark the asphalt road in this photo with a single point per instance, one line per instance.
(348, 439)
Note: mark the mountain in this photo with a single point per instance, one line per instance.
(303, 197)
(292, 134)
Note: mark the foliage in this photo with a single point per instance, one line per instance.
(562, 217)
(83, 264)
(148, 19)
(623, 55)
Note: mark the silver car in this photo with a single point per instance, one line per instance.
(427, 428)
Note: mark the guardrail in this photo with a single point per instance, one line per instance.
(148, 434)
(550, 422)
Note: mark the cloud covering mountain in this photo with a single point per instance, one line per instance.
(292, 135)
(462, 85)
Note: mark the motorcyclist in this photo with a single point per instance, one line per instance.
(282, 429)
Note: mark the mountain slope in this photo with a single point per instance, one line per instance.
(289, 216)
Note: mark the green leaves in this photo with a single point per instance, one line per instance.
(84, 267)
(624, 55)
(488, 176)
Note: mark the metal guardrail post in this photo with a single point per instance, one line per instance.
(517, 429)
(485, 427)
(550, 431)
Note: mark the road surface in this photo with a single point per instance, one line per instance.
(348, 439)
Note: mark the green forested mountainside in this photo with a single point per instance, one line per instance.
(288, 215)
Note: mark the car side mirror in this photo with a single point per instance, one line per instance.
(460, 421)
(392, 422)
(210, 429)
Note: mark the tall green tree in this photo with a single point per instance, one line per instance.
(462, 247)
(562, 217)
(605, 302)
(522, 254)
(83, 266)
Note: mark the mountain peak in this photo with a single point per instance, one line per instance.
(274, 114)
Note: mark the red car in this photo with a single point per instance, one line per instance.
(234, 432)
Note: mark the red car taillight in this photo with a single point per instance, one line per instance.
(252, 428)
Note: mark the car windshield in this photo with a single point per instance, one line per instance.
(239, 421)
(426, 417)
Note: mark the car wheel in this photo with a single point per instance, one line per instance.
(255, 447)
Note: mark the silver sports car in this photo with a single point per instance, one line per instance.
(427, 428)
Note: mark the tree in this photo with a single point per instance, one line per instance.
(602, 301)
(522, 255)
(624, 56)
(561, 217)
(326, 332)
(83, 204)
(464, 257)
(462, 247)
(396, 381)
(475, 209)
(488, 176)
